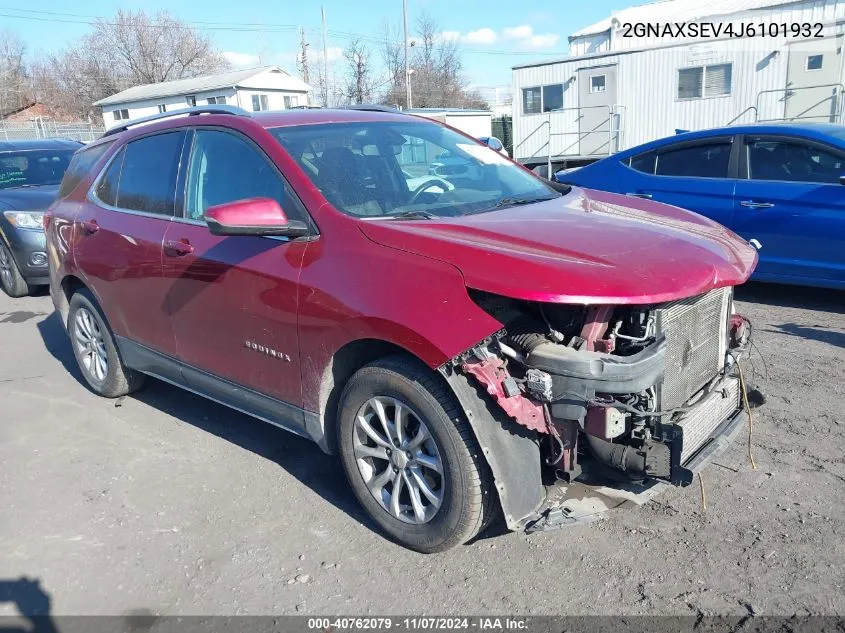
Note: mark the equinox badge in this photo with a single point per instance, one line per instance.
(266, 350)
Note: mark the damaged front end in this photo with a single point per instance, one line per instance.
(618, 397)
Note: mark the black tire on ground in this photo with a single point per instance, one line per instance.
(11, 280)
(118, 380)
(469, 499)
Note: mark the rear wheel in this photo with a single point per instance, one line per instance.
(11, 279)
(95, 350)
(410, 456)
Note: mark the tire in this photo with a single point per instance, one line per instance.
(464, 483)
(11, 280)
(93, 342)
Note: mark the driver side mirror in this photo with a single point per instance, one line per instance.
(253, 216)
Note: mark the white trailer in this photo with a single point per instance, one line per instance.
(624, 85)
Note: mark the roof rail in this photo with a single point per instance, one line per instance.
(209, 109)
(372, 108)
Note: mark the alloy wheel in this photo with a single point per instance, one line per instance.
(90, 345)
(398, 460)
(5, 267)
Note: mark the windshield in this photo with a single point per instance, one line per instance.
(407, 169)
(30, 168)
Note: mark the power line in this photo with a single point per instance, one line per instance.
(245, 27)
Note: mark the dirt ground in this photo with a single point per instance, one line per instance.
(166, 503)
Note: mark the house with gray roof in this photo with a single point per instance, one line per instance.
(253, 89)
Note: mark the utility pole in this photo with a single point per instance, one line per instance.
(303, 56)
(325, 62)
(407, 61)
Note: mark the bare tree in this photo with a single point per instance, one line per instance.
(128, 50)
(358, 80)
(14, 85)
(437, 78)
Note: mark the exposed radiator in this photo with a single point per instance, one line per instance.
(696, 343)
(700, 423)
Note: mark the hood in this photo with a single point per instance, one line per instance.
(586, 247)
(36, 198)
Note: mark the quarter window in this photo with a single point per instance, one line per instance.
(698, 161)
(225, 168)
(80, 165)
(704, 81)
(148, 177)
(552, 97)
(643, 162)
(793, 162)
(107, 188)
(531, 100)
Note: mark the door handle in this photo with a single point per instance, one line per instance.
(756, 205)
(645, 196)
(89, 227)
(178, 248)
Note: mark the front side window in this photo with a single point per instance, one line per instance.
(793, 162)
(31, 168)
(705, 81)
(708, 160)
(385, 169)
(552, 97)
(147, 179)
(531, 100)
(598, 83)
(224, 168)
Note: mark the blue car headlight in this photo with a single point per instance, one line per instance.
(25, 219)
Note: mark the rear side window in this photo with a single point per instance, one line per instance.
(643, 162)
(148, 175)
(80, 165)
(697, 161)
(793, 162)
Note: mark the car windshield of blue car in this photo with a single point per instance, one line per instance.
(32, 168)
(408, 170)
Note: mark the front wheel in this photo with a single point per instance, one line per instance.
(11, 280)
(410, 456)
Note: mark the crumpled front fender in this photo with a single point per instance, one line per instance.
(511, 450)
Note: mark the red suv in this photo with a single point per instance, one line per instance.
(473, 342)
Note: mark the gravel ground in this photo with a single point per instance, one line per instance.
(166, 503)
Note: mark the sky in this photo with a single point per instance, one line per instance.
(493, 35)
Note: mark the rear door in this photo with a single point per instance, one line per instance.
(790, 200)
(698, 175)
(233, 300)
(118, 236)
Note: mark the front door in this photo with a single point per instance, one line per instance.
(813, 90)
(596, 102)
(789, 199)
(118, 237)
(233, 300)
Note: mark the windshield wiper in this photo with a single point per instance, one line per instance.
(417, 214)
(509, 201)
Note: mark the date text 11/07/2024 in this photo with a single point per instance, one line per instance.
(716, 30)
(416, 623)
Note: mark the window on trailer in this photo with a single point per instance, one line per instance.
(531, 100)
(704, 81)
(552, 97)
(814, 62)
(598, 83)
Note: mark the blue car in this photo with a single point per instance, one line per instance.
(778, 184)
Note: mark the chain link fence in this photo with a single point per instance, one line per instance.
(47, 128)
